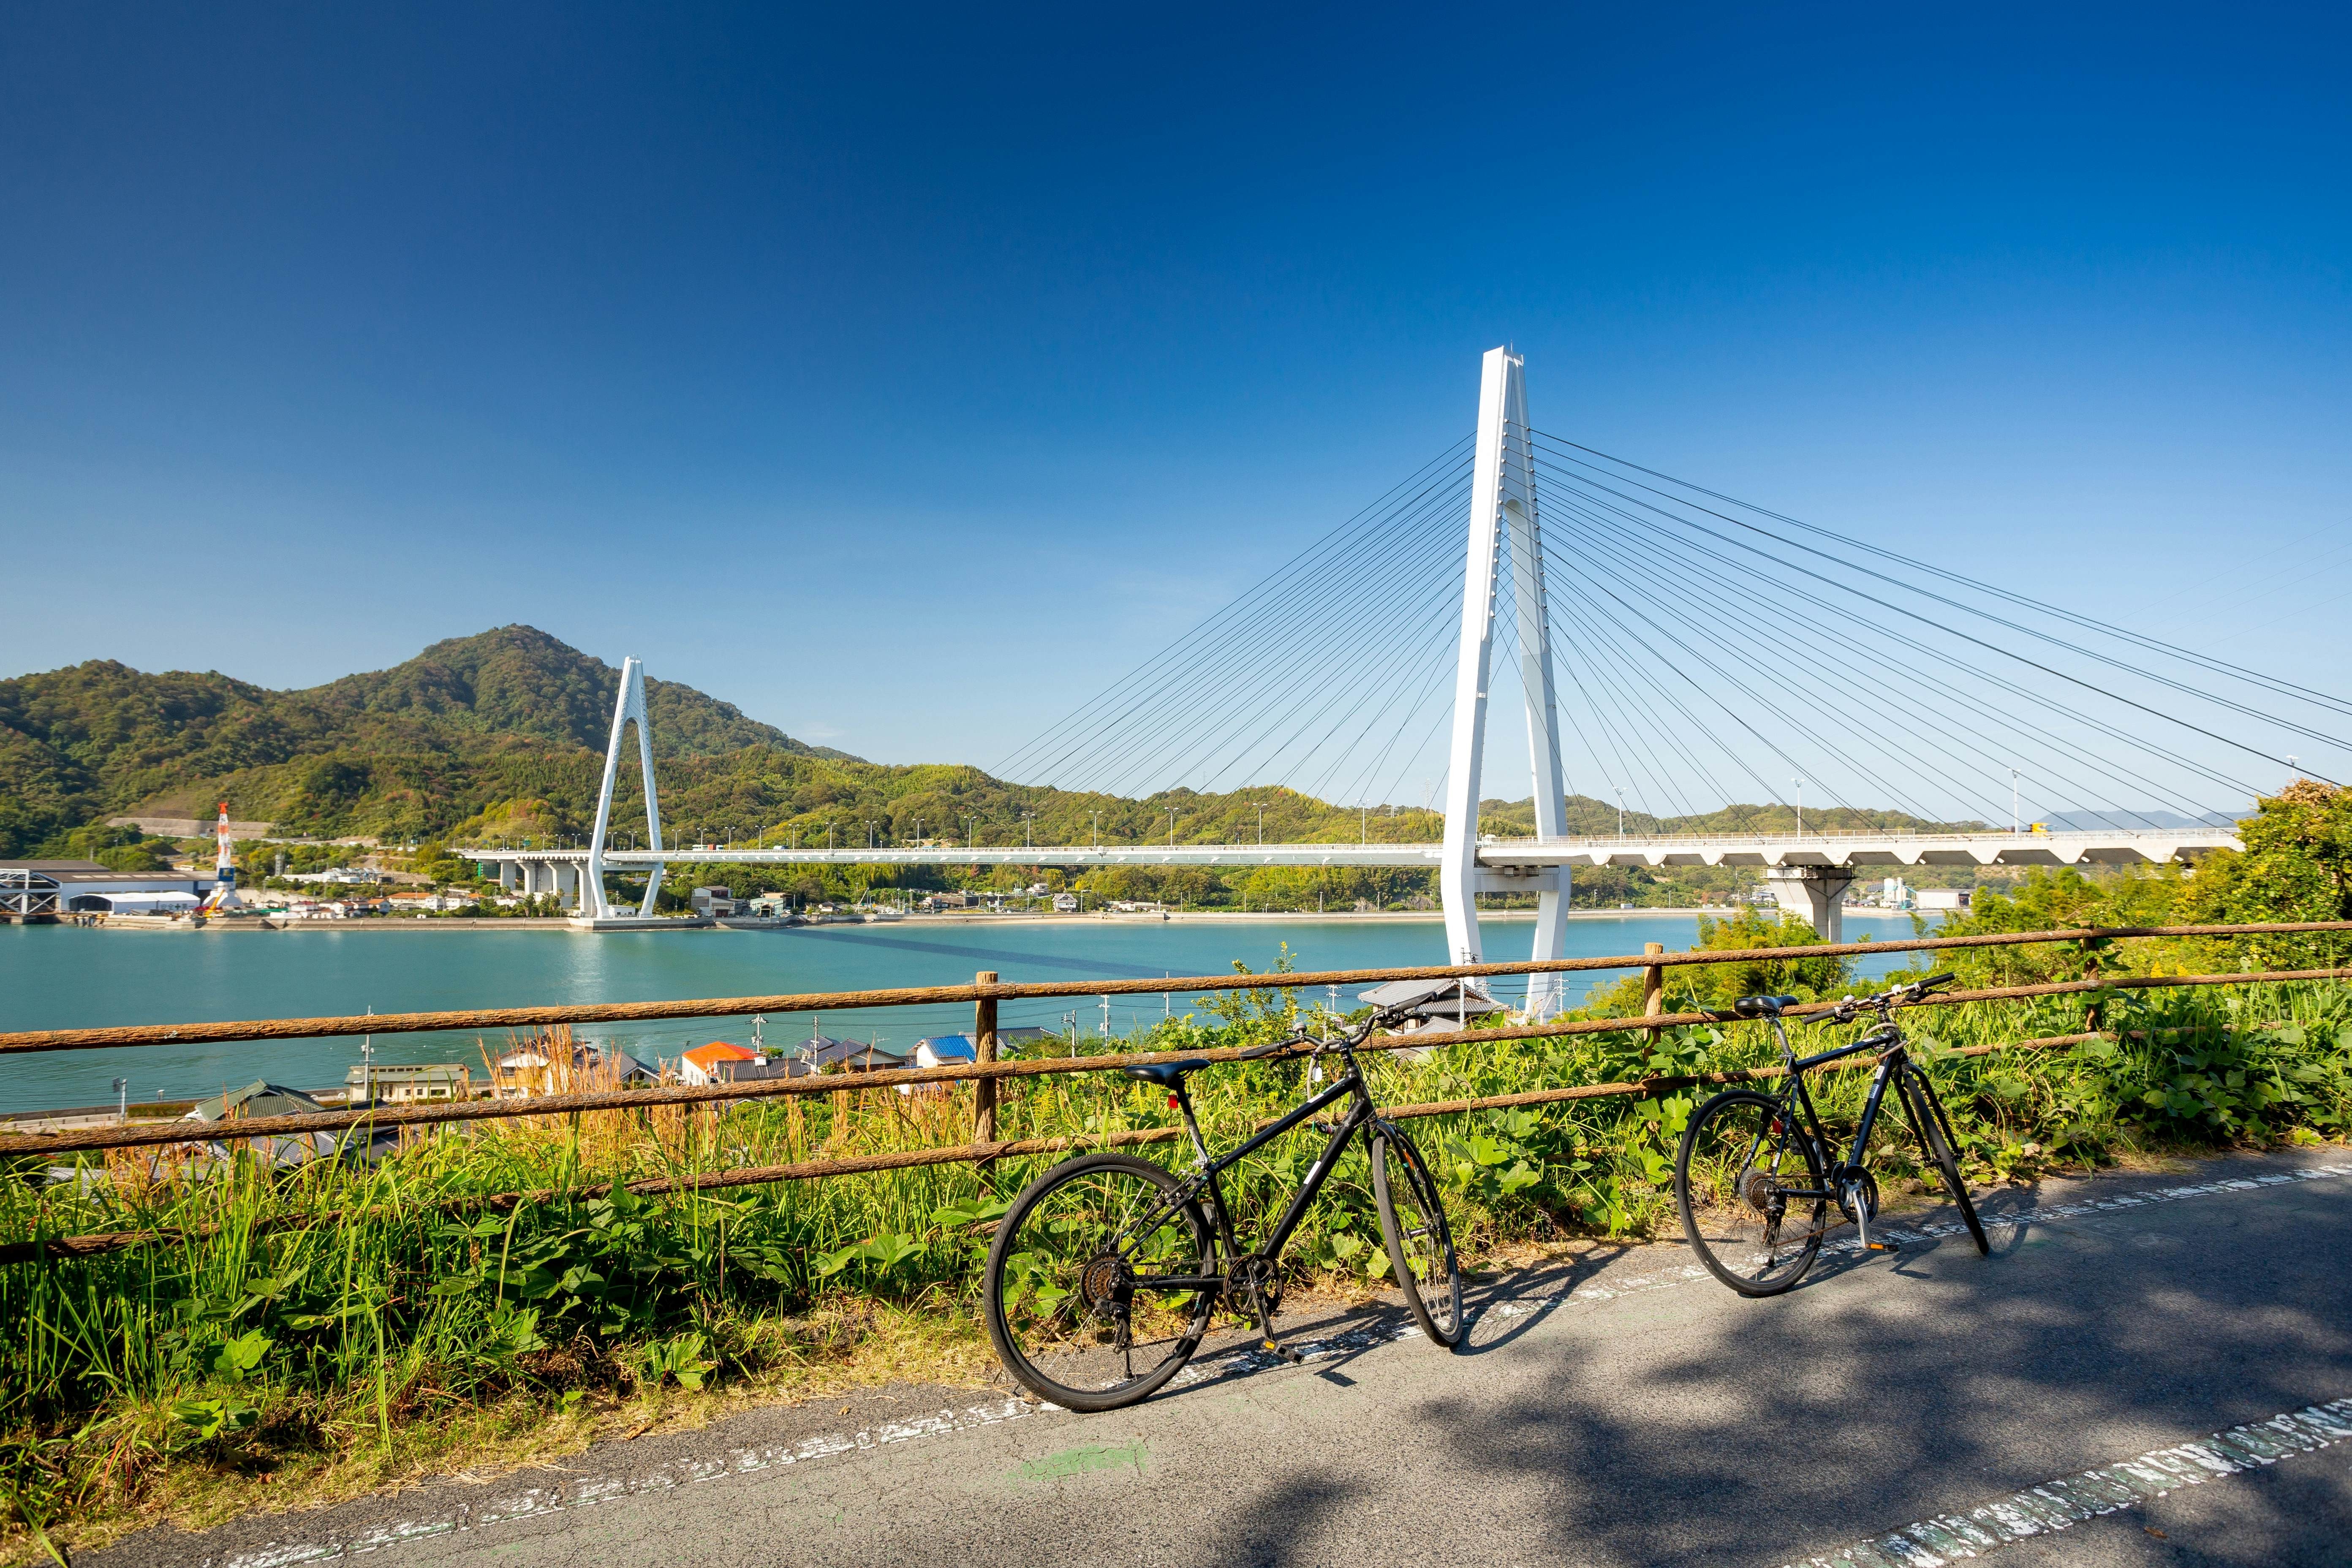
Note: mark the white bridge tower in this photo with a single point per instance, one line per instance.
(1503, 516)
(591, 904)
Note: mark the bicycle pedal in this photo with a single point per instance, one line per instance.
(1885, 1247)
(1292, 1356)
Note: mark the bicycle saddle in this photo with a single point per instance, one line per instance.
(1760, 1006)
(1165, 1074)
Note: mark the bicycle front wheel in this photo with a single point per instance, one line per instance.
(1420, 1247)
(1753, 1203)
(1100, 1282)
(1935, 1135)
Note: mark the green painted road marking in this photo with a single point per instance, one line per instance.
(1079, 1461)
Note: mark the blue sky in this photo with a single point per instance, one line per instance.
(903, 380)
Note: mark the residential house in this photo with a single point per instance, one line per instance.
(700, 1065)
(370, 1083)
(940, 1051)
(828, 1054)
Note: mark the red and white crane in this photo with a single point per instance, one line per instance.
(222, 900)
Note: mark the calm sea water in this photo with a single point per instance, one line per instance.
(59, 977)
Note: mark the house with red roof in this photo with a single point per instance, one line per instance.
(700, 1065)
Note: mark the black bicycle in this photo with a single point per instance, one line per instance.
(1107, 1268)
(1755, 1179)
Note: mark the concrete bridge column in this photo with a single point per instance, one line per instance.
(1814, 894)
(567, 883)
(506, 876)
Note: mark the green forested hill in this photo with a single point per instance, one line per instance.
(405, 751)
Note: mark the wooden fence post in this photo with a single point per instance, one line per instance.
(1653, 990)
(983, 1049)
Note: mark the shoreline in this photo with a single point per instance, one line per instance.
(1168, 917)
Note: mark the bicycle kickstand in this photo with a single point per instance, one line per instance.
(1853, 1191)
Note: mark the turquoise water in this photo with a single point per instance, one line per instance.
(63, 976)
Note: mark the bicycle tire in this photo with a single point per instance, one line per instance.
(1421, 1253)
(1057, 1278)
(1732, 1214)
(1936, 1136)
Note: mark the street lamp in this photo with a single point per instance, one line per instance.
(1621, 812)
(2012, 801)
(1799, 785)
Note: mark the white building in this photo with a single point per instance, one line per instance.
(38, 887)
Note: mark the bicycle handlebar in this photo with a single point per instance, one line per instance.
(1887, 1000)
(1302, 1041)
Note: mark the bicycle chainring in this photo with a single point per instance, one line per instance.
(1869, 1184)
(1261, 1273)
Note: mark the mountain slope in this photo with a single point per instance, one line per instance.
(404, 751)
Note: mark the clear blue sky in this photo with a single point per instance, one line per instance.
(898, 375)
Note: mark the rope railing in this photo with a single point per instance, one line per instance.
(385, 1118)
(957, 1154)
(378, 1119)
(1008, 990)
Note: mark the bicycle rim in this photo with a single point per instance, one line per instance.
(1420, 1245)
(1740, 1179)
(1081, 1301)
(1935, 1134)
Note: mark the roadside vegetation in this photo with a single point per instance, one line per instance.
(298, 1335)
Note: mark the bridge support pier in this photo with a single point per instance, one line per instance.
(1814, 894)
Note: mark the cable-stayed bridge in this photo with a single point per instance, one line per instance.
(1664, 646)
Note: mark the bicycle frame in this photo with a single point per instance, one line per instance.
(1362, 1114)
(1887, 1039)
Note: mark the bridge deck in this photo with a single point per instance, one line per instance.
(1826, 850)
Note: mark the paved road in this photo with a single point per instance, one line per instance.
(1617, 1411)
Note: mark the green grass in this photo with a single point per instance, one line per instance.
(424, 1325)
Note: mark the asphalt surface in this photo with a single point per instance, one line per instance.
(1619, 1410)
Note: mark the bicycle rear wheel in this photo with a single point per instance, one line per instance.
(1935, 1135)
(1754, 1207)
(1420, 1247)
(1100, 1282)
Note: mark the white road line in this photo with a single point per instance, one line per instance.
(557, 1496)
(2063, 1503)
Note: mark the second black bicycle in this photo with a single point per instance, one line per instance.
(1756, 1177)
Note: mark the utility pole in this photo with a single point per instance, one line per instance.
(1260, 823)
(1171, 844)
